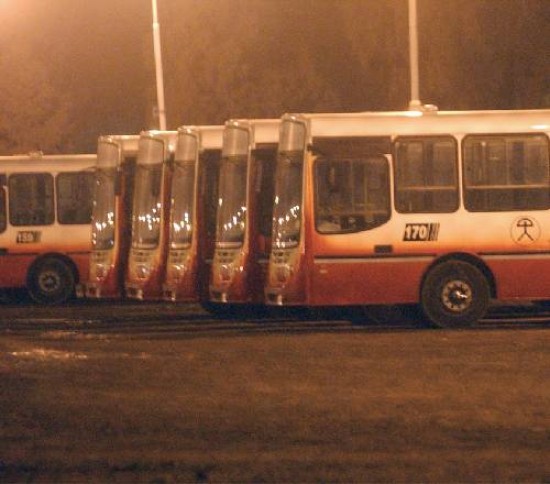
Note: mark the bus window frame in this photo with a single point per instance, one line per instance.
(90, 198)
(488, 136)
(457, 173)
(352, 223)
(52, 212)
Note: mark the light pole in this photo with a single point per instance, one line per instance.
(414, 103)
(158, 68)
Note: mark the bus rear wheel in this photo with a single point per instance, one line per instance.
(455, 294)
(51, 281)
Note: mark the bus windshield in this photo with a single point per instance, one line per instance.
(183, 183)
(103, 215)
(287, 211)
(147, 206)
(232, 200)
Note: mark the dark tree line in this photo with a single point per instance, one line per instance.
(71, 71)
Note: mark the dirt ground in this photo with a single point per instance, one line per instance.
(364, 406)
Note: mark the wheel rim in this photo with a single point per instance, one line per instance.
(456, 296)
(49, 281)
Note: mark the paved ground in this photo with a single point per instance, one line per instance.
(381, 405)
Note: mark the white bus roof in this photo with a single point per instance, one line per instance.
(426, 122)
(265, 130)
(129, 143)
(171, 137)
(36, 162)
(211, 136)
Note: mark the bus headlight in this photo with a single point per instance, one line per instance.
(225, 272)
(142, 271)
(101, 271)
(176, 272)
(282, 273)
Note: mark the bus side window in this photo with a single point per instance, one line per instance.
(75, 197)
(351, 195)
(508, 172)
(426, 178)
(31, 199)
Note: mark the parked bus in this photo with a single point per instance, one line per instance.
(151, 202)
(447, 210)
(244, 216)
(193, 214)
(45, 213)
(111, 216)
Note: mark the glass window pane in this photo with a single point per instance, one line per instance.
(74, 197)
(506, 173)
(426, 175)
(31, 199)
(351, 195)
(183, 204)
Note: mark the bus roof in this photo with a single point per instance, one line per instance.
(428, 122)
(265, 130)
(211, 136)
(171, 137)
(47, 163)
(129, 143)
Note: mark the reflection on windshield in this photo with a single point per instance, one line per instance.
(147, 206)
(288, 199)
(232, 200)
(103, 215)
(183, 191)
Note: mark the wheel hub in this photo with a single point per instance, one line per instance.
(456, 296)
(49, 281)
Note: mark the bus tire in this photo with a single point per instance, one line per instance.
(454, 294)
(51, 280)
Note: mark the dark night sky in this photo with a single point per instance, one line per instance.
(72, 70)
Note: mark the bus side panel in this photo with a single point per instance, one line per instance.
(82, 263)
(13, 269)
(366, 281)
(521, 277)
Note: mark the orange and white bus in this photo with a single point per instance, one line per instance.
(447, 210)
(150, 215)
(244, 217)
(193, 213)
(45, 232)
(111, 216)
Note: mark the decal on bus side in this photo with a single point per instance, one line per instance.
(525, 230)
(421, 232)
(28, 237)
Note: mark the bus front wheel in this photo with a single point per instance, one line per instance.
(455, 294)
(51, 281)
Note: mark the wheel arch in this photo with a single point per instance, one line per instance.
(469, 258)
(55, 255)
